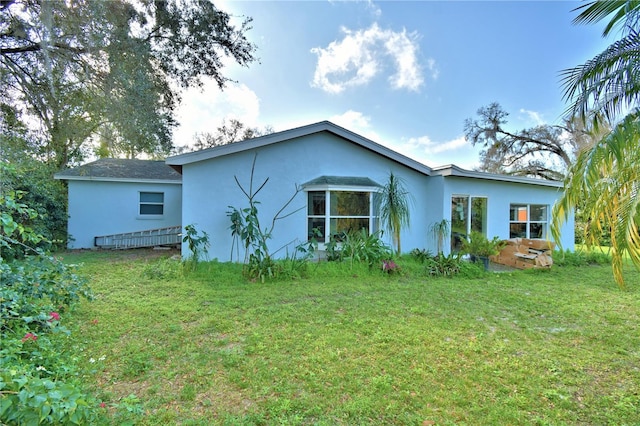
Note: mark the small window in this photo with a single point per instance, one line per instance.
(528, 221)
(151, 203)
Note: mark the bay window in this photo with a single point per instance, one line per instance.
(334, 213)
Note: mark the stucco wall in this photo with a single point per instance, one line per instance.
(209, 188)
(99, 208)
(499, 197)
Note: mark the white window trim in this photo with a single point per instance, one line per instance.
(151, 216)
(468, 215)
(544, 223)
(327, 189)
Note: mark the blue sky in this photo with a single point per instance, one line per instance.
(405, 74)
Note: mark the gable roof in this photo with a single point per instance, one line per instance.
(324, 126)
(122, 170)
(453, 170)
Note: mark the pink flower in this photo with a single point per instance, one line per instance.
(103, 405)
(54, 316)
(29, 336)
(388, 265)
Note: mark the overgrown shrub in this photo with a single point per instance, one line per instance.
(443, 265)
(361, 247)
(44, 195)
(421, 255)
(581, 258)
(38, 384)
(198, 245)
(247, 230)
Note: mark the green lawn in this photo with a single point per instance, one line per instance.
(353, 347)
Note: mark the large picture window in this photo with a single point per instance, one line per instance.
(467, 214)
(334, 213)
(151, 204)
(528, 221)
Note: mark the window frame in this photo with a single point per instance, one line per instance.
(372, 217)
(468, 219)
(527, 221)
(142, 202)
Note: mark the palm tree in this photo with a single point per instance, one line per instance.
(605, 180)
(394, 208)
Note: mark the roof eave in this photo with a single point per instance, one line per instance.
(219, 151)
(112, 179)
(453, 170)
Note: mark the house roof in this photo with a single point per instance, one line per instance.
(453, 170)
(324, 126)
(341, 181)
(122, 170)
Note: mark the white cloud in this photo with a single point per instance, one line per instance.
(456, 151)
(361, 55)
(375, 10)
(432, 66)
(356, 122)
(534, 116)
(425, 144)
(203, 110)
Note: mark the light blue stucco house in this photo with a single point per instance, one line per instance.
(333, 176)
(337, 174)
(120, 196)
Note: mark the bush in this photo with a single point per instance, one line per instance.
(445, 266)
(45, 196)
(581, 258)
(37, 379)
(37, 375)
(360, 247)
(421, 255)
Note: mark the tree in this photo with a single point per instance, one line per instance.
(395, 208)
(606, 178)
(23, 174)
(226, 133)
(544, 151)
(75, 67)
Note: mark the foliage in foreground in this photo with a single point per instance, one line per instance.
(604, 180)
(38, 383)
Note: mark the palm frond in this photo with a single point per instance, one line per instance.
(625, 13)
(606, 182)
(610, 82)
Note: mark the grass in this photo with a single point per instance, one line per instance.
(353, 347)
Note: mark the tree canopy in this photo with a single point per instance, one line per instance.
(544, 151)
(80, 68)
(606, 178)
(229, 132)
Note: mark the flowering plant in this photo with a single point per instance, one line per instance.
(390, 267)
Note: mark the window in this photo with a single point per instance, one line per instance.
(333, 213)
(528, 221)
(467, 214)
(151, 204)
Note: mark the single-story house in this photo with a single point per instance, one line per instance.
(118, 197)
(330, 174)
